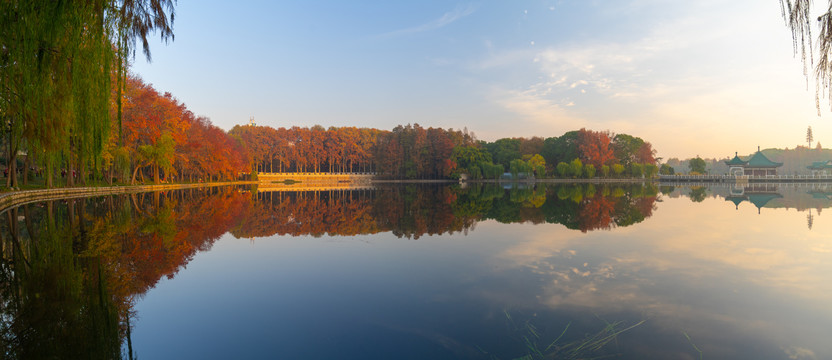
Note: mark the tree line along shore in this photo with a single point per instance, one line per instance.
(75, 115)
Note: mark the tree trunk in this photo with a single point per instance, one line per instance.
(50, 169)
(82, 171)
(135, 171)
(11, 181)
(26, 165)
(70, 181)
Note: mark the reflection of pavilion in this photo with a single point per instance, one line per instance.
(820, 194)
(757, 165)
(758, 194)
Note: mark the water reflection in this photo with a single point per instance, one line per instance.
(412, 211)
(72, 270)
(799, 196)
(700, 271)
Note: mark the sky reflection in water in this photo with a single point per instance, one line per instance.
(738, 283)
(498, 274)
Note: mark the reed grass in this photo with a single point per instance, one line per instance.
(589, 347)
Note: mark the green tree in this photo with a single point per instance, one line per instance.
(56, 72)
(469, 156)
(625, 147)
(650, 170)
(605, 170)
(503, 151)
(697, 165)
(563, 169)
(491, 171)
(576, 168)
(636, 170)
(589, 171)
(617, 169)
(697, 193)
(563, 148)
(666, 170)
(809, 137)
(518, 167)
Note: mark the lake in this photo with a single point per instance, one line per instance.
(568, 271)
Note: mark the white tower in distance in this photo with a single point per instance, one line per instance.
(251, 121)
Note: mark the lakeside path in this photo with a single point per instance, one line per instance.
(16, 198)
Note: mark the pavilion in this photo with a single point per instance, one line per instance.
(757, 165)
(821, 167)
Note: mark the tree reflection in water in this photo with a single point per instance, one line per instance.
(72, 270)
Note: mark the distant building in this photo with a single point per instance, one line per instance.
(821, 167)
(757, 165)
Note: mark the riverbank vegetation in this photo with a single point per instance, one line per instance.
(415, 152)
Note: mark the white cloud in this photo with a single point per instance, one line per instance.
(705, 66)
(449, 17)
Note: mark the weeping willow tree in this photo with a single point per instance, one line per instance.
(799, 18)
(58, 60)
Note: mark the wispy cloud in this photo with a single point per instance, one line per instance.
(446, 19)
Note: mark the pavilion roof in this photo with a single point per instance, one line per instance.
(818, 165)
(736, 161)
(761, 161)
(760, 200)
(737, 200)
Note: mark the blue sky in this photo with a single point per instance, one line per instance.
(694, 78)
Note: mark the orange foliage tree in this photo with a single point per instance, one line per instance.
(594, 148)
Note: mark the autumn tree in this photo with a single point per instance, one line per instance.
(538, 165)
(530, 146)
(147, 116)
(595, 147)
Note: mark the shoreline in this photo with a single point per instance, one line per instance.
(12, 199)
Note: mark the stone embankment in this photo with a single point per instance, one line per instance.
(17, 198)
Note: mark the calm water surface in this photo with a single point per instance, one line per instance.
(423, 272)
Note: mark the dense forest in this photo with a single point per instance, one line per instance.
(415, 152)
